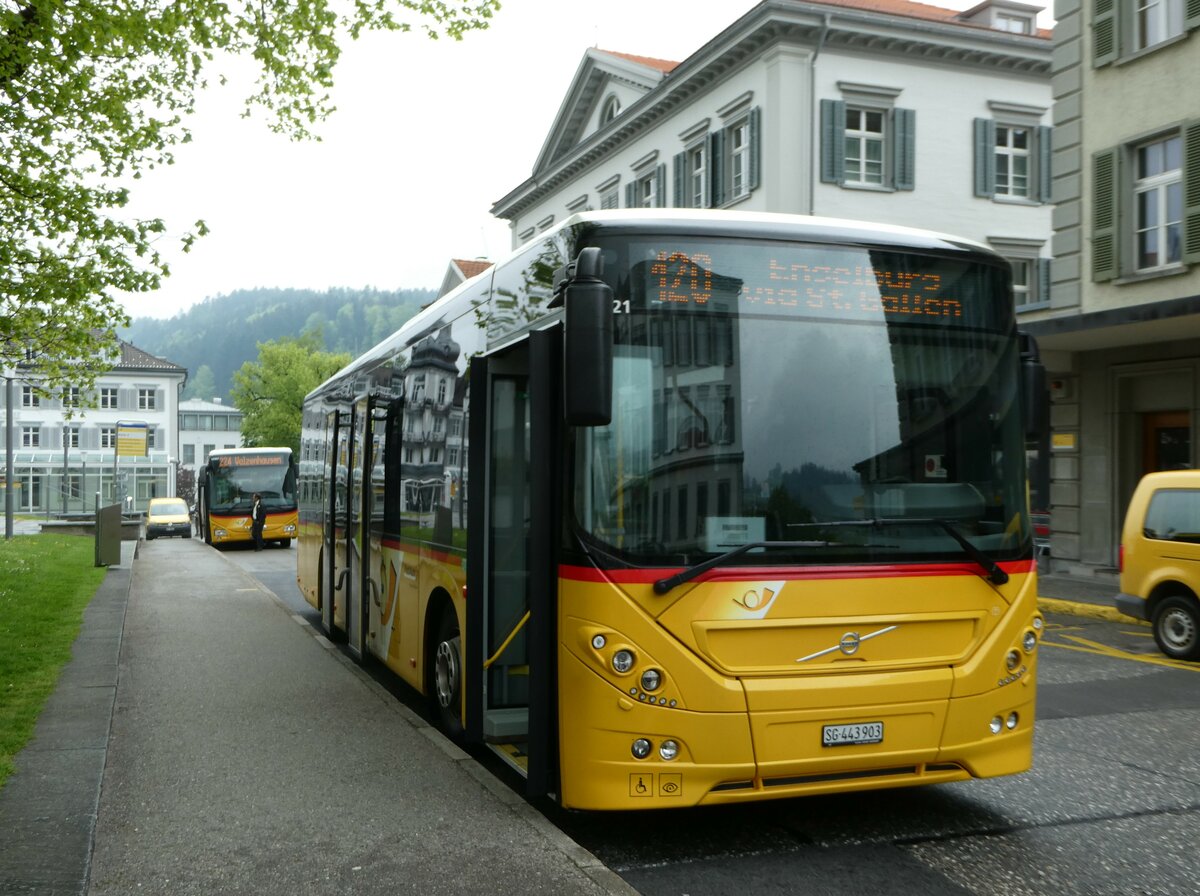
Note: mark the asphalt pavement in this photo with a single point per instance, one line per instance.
(205, 739)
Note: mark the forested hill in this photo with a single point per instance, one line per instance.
(223, 333)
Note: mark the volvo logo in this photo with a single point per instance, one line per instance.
(849, 643)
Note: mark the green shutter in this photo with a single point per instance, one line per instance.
(1191, 192)
(985, 158)
(1105, 214)
(1045, 157)
(904, 149)
(1191, 14)
(679, 170)
(833, 141)
(660, 186)
(755, 147)
(716, 167)
(1105, 32)
(1043, 281)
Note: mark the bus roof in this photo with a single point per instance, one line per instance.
(698, 222)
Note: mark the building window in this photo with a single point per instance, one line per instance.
(696, 177)
(108, 397)
(208, 449)
(1012, 160)
(108, 437)
(30, 397)
(864, 146)
(1014, 24)
(71, 397)
(31, 437)
(70, 436)
(609, 199)
(610, 109)
(146, 399)
(1124, 27)
(734, 154)
(151, 438)
(646, 189)
(1139, 221)
(189, 454)
(441, 391)
(1158, 204)
(1030, 272)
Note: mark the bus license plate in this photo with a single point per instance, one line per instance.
(846, 735)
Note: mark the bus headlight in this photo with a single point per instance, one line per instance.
(622, 661)
(1012, 660)
(1029, 641)
(289, 529)
(642, 748)
(668, 750)
(651, 680)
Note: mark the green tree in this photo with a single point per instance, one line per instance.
(201, 384)
(270, 391)
(94, 93)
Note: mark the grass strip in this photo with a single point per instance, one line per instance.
(46, 582)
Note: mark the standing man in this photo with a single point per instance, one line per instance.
(257, 520)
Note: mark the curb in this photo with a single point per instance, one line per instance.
(1086, 610)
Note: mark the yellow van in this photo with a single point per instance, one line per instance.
(1160, 560)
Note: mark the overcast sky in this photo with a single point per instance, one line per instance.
(427, 136)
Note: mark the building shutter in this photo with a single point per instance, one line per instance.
(1191, 192)
(679, 172)
(1191, 14)
(904, 149)
(1105, 214)
(660, 186)
(631, 195)
(1045, 155)
(833, 141)
(1043, 281)
(985, 158)
(755, 147)
(1105, 32)
(716, 155)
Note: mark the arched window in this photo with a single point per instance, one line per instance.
(609, 110)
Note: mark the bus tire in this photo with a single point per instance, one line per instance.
(285, 542)
(446, 673)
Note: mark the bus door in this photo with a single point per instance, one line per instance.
(512, 557)
(375, 423)
(341, 614)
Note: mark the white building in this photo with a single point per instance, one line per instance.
(60, 464)
(205, 426)
(883, 110)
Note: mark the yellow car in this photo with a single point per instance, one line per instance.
(1160, 560)
(167, 516)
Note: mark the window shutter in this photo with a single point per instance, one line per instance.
(679, 170)
(904, 149)
(985, 158)
(660, 186)
(1105, 32)
(1105, 217)
(755, 147)
(1045, 152)
(1043, 280)
(631, 194)
(833, 141)
(1191, 192)
(716, 155)
(1191, 14)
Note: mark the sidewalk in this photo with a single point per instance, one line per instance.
(203, 742)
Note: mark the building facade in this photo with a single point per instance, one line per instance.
(883, 110)
(65, 446)
(1121, 332)
(205, 426)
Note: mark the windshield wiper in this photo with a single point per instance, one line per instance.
(995, 574)
(662, 586)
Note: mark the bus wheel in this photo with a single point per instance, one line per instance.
(1177, 627)
(447, 674)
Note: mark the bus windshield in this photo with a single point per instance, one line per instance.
(235, 478)
(762, 389)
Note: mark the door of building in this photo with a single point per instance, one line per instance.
(1166, 441)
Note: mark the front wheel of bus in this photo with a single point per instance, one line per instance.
(1177, 627)
(447, 674)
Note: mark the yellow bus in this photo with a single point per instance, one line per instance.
(226, 485)
(674, 508)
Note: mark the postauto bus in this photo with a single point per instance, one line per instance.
(227, 483)
(674, 508)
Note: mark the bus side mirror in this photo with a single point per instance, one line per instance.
(588, 342)
(1034, 397)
